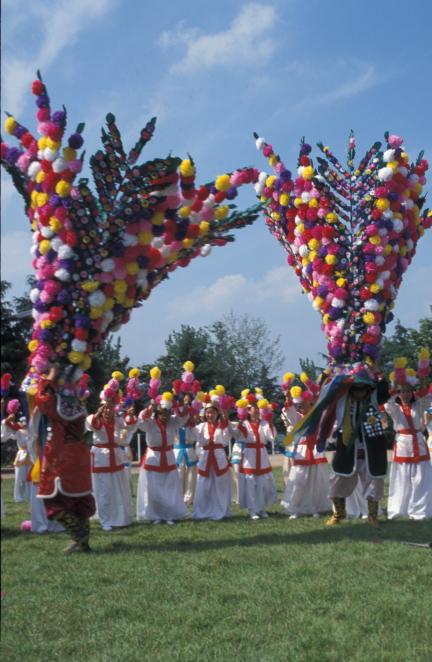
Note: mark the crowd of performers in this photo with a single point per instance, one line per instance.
(199, 455)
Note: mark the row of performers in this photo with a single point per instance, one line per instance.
(186, 461)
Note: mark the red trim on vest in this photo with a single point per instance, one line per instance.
(413, 433)
(111, 446)
(211, 457)
(163, 449)
(309, 459)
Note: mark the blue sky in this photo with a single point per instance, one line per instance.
(213, 73)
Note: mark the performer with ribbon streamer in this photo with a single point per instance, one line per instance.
(350, 234)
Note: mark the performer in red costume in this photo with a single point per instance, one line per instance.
(65, 483)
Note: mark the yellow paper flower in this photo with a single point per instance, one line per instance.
(222, 183)
(10, 125)
(76, 357)
(90, 285)
(118, 375)
(63, 188)
(187, 169)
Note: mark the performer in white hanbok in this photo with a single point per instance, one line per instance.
(160, 496)
(257, 488)
(213, 491)
(111, 485)
(16, 430)
(410, 486)
(22, 464)
(306, 491)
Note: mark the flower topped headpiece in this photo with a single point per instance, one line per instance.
(188, 384)
(133, 388)
(112, 392)
(402, 374)
(254, 398)
(13, 406)
(350, 234)
(96, 256)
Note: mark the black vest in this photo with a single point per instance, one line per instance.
(374, 445)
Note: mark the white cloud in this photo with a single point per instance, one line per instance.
(351, 87)
(365, 78)
(236, 291)
(8, 191)
(58, 25)
(245, 42)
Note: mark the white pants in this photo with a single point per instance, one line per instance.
(344, 486)
(22, 485)
(287, 464)
(187, 476)
(235, 482)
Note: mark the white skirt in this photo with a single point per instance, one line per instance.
(112, 494)
(256, 492)
(307, 490)
(410, 490)
(212, 497)
(160, 496)
(187, 476)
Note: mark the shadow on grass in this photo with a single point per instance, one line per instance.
(394, 532)
(7, 533)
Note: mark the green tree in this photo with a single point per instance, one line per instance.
(16, 329)
(236, 351)
(405, 342)
(310, 368)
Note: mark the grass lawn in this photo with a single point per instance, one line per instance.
(236, 590)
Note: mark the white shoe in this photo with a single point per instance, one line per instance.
(170, 522)
(107, 528)
(293, 517)
(316, 515)
(263, 514)
(157, 521)
(254, 516)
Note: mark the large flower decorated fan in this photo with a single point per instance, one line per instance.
(350, 234)
(96, 256)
